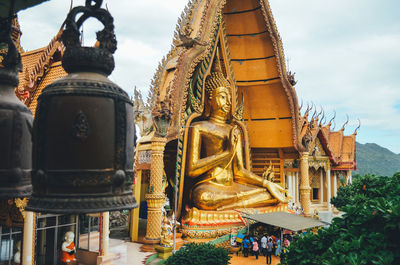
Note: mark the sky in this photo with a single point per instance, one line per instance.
(345, 53)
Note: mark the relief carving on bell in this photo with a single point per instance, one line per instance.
(83, 132)
(15, 124)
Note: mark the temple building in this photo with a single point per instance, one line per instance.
(331, 159)
(222, 114)
(281, 142)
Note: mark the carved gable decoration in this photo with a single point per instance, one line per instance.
(316, 148)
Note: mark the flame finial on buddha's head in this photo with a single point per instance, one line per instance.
(216, 77)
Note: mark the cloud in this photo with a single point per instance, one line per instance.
(136, 60)
(346, 57)
(345, 53)
(144, 31)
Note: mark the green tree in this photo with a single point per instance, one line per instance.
(199, 254)
(367, 233)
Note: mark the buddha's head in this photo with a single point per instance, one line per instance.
(219, 99)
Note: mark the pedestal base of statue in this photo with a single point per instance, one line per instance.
(200, 224)
(163, 252)
(105, 260)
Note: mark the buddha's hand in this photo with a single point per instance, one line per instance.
(266, 183)
(276, 191)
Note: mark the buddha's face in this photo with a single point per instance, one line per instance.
(221, 102)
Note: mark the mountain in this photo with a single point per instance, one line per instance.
(375, 159)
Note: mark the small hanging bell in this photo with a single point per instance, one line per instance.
(15, 124)
(83, 133)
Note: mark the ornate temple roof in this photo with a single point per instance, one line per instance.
(340, 148)
(40, 68)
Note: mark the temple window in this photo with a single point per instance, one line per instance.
(10, 243)
(50, 235)
(89, 232)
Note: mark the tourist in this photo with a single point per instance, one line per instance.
(255, 248)
(274, 244)
(264, 245)
(278, 248)
(246, 245)
(251, 246)
(270, 245)
(286, 242)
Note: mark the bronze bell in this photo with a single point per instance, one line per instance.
(83, 132)
(15, 124)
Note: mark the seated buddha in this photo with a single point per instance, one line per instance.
(215, 163)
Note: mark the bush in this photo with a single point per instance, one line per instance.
(362, 190)
(199, 254)
(367, 233)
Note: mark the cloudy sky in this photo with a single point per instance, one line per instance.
(346, 53)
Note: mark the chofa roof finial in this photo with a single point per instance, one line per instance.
(344, 125)
(358, 127)
(334, 116)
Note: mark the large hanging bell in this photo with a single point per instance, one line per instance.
(83, 135)
(15, 124)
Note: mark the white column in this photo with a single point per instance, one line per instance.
(291, 189)
(27, 245)
(349, 178)
(334, 184)
(294, 187)
(297, 187)
(106, 232)
(105, 256)
(288, 182)
(321, 200)
(328, 178)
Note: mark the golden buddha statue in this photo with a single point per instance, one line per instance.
(215, 166)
